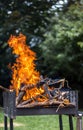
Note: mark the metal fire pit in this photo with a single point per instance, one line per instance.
(10, 110)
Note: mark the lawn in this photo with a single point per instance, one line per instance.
(49, 122)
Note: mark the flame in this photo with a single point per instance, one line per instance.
(34, 92)
(24, 69)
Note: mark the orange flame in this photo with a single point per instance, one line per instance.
(24, 69)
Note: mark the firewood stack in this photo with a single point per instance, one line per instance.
(53, 94)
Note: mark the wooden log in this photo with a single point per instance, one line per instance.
(5, 89)
(19, 97)
(22, 93)
(23, 90)
(25, 102)
(35, 98)
(34, 104)
(47, 91)
(54, 82)
(47, 81)
(45, 103)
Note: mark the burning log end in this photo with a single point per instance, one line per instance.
(20, 96)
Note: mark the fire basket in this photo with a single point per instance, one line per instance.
(32, 94)
(11, 111)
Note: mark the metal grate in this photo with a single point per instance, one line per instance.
(11, 111)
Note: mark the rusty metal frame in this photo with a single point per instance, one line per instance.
(10, 110)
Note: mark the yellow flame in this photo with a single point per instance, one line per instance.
(24, 69)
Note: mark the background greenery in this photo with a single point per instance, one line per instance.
(54, 30)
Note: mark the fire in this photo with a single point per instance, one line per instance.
(24, 69)
(33, 90)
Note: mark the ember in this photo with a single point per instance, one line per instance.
(33, 90)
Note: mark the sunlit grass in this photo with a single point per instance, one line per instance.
(46, 122)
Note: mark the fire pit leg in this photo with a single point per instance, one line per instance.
(70, 122)
(79, 121)
(5, 123)
(11, 124)
(60, 122)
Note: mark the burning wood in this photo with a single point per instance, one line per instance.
(51, 96)
(32, 90)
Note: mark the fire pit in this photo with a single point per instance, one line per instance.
(11, 111)
(32, 94)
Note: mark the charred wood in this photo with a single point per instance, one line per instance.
(20, 96)
(46, 103)
(5, 89)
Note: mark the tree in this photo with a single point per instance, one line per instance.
(28, 17)
(62, 52)
(20, 16)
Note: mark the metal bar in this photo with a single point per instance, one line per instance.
(60, 122)
(79, 122)
(45, 111)
(11, 124)
(70, 122)
(5, 123)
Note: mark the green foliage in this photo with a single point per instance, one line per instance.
(32, 18)
(80, 44)
(23, 16)
(62, 51)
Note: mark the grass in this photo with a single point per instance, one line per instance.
(49, 122)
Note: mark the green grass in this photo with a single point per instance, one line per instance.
(49, 122)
